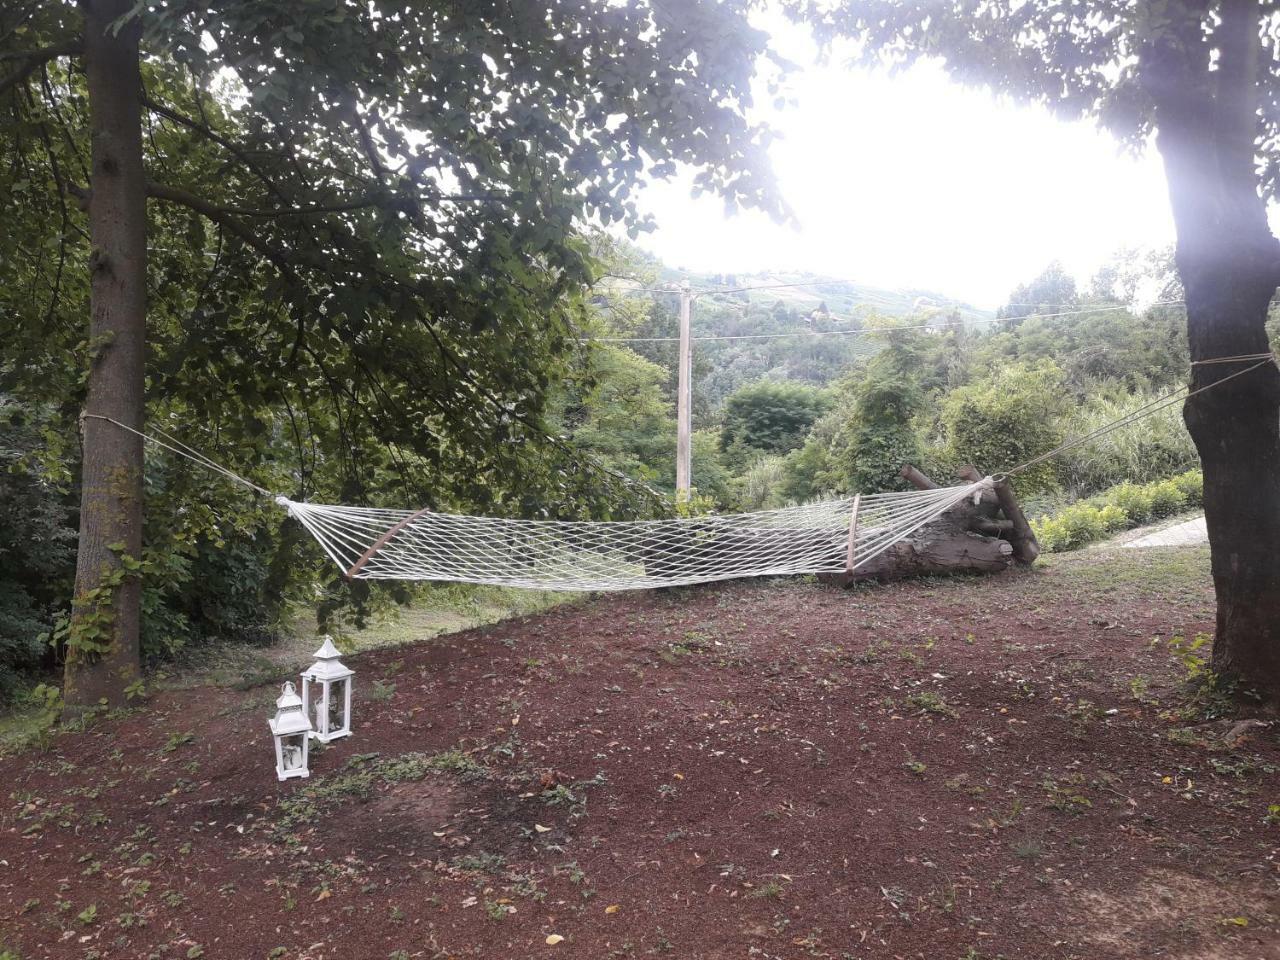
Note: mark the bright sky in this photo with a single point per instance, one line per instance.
(912, 181)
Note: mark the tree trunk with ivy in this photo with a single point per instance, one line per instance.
(102, 659)
(1229, 263)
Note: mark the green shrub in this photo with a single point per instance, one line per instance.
(1166, 499)
(1123, 506)
(1114, 518)
(1075, 526)
(1133, 499)
(769, 417)
(1145, 451)
(37, 547)
(1013, 414)
(1191, 484)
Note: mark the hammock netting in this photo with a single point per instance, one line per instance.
(827, 536)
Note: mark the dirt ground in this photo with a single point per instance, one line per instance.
(947, 770)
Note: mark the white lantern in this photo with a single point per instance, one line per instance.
(291, 728)
(326, 694)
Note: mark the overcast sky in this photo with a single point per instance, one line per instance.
(912, 181)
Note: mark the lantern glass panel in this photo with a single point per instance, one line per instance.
(292, 751)
(315, 694)
(337, 704)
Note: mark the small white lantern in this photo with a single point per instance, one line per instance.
(331, 702)
(290, 727)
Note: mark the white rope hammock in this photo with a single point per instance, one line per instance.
(826, 536)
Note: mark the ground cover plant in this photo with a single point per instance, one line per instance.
(1122, 507)
(1035, 765)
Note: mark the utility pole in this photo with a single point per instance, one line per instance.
(683, 398)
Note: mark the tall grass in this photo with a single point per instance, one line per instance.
(1151, 449)
(761, 487)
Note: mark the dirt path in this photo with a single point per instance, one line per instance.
(946, 770)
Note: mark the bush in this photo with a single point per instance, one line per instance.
(37, 548)
(1191, 484)
(1011, 416)
(1133, 499)
(769, 418)
(1166, 499)
(761, 487)
(1075, 526)
(1123, 506)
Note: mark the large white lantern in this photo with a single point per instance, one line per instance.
(326, 694)
(291, 728)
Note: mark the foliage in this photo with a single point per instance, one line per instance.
(367, 264)
(613, 405)
(1101, 348)
(1156, 446)
(1078, 525)
(769, 417)
(1052, 292)
(1007, 418)
(710, 477)
(37, 545)
(877, 435)
(761, 487)
(1123, 506)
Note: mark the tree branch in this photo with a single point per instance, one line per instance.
(377, 198)
(207, 131)
(33, 60)
(228, 221)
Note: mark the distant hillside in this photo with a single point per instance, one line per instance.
(778, 330)
(844, 299)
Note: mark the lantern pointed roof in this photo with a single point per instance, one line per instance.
(327, 665)
(288, 698)
(327, 650)
(289, 718)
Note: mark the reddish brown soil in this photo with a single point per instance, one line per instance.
(933, 770)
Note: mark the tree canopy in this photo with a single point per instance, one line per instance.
(363, 250)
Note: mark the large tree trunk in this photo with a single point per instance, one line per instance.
(102, 651)
(1229, 264)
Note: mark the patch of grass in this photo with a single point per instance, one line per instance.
(482, 862)
(1028, 849)
(962, 784)
(1066, 797)
(769, 891)
(930, 702)
(1082, 714)
(497, 910)
(361, 776)
(178, 740)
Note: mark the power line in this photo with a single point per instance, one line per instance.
(867, 331)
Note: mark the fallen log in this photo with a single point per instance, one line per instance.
(944, 546)
(1025, 546)
(968, 538)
